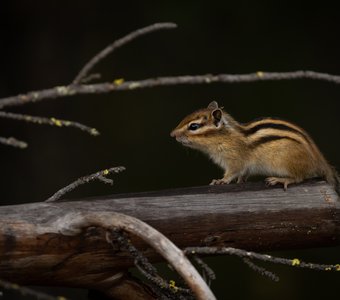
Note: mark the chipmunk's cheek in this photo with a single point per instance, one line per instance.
(183, 140)
(180, 139)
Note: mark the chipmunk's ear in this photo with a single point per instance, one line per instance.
(217, 116)
(213, 105)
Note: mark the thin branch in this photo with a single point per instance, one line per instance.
(102, 88)
(27, 291)
(48, 121)
(160, 285)
(208, 273)
(263, 257)
(164, 289)
(85, 179)
(74, 222)
(11, 141)
(261, 270)
(117, 44)
(125, 244)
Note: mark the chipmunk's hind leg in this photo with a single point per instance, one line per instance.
(281, 180)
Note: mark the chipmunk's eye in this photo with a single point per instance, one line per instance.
(194, 126)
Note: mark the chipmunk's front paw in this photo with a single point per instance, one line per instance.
(219, 181)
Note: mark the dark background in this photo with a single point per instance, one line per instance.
(45, 44)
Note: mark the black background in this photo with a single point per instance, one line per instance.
(45, 44)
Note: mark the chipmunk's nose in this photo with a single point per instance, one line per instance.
(173, 133)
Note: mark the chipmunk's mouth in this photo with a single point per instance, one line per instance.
(184, 141)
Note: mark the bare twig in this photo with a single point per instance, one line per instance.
(260, 270)
(263, 257)
(48, 121)
(163, 289)
(125, 244)
(119, 43)
(208, 273)
(27, 291)
(85, 179)
(102, 88)
(11, 141)
(160, 285)
(73, 223)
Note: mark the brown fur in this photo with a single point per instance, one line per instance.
(269, 146)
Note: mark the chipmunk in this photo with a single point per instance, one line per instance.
(267, 146)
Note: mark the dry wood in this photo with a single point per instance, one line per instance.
(34, 247)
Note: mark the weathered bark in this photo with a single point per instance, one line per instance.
(251, 216)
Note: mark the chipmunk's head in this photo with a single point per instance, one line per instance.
(202, 127)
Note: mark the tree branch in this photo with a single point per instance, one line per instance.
(263, 257)
(100, 175)
(64, 243)
(159, 285)
(262, 271)
(48, 121)
(11, 141)
(103, 88)
(117, 44)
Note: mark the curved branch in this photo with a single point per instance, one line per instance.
(117, 44)
(102, 88)
(74, 223)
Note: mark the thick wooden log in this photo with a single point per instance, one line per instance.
(248, 216)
